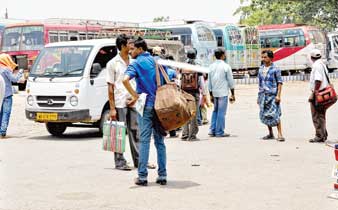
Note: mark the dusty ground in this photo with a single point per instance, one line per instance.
(241, 172)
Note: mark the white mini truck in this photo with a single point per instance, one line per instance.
(67, 85)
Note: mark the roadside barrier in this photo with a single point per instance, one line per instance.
(299, 77)
(334, 194)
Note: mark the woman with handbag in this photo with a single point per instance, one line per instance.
(318, 82)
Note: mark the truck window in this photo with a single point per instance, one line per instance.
(104, 55)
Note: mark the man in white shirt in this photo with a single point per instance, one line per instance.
(318, 81)
(118, 98)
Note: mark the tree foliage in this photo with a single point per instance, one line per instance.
(322, 13)
(161, 19)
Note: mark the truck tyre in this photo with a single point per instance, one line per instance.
(104, 117)
(56, 129)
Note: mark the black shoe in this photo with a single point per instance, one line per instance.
(194, 139)
(124, 168)
(211, 134)
(141, 182)
(316, 140)
(184, 138)
(161, 181)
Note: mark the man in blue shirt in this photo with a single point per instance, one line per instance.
(269, 95)
(144, 72)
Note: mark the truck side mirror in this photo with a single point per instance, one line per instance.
(96, 69)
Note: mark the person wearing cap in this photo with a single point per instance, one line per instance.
(318, 82)
(7, 68)
(269, 95)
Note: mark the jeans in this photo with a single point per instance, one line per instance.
(146, 126)
(5, 114)
(218, 116)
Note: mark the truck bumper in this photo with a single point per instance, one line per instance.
(58, 115)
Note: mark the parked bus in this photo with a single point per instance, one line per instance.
(230, 38)
(332, 60)
(25, 40)
(2, 27)
(195, 35)
(291, 44)
(252, 51)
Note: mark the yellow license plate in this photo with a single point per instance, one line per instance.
(46, 116)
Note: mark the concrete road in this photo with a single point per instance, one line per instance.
(241, 172)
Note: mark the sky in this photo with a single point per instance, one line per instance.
(123, 10)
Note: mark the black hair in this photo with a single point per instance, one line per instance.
(169, 57)
(191, 54)
(122, 40)
(219, 52)
(269, 53)
(139, 42)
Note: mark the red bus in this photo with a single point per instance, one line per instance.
(25, 40)
(291, 44)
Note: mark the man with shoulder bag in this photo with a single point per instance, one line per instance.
(322, 96)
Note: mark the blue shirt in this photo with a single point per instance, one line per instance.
(143, 69)
(220, 79)
(9, 77)
(269, 83)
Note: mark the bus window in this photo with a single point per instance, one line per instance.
(186, 40)
(11, 39)
(63, 36)
(272, 42)
(90, 36)
(289, 41)
(53, 36)
(32, 38)
(300, 41)
(82, 36)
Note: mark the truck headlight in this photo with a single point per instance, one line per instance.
(74, 101)
(30, 100)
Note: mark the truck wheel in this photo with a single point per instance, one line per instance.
(104, 117)
(56, 129)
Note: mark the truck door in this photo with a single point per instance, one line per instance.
(98, 90)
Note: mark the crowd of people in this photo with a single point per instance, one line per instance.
(133, 72)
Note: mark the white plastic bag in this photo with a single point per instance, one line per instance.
(140, 103)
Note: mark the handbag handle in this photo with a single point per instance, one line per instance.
(164, 74)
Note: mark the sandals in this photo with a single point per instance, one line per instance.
(280, 139)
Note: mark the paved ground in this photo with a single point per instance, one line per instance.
(242, 172)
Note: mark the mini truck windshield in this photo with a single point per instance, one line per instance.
(68, 61)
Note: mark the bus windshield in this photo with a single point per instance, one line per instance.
(204, 33)
(23, 38)
(335, 43)
(67, 61)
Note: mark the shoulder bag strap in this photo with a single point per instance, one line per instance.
(327, 77)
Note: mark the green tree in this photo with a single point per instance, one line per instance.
(259, 12)
(161, 19)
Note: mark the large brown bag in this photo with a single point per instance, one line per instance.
(173, 107)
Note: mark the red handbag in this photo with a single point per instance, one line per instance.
(327, 96)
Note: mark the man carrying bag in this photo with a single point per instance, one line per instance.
(318, 82)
